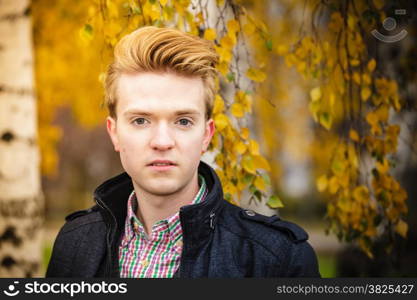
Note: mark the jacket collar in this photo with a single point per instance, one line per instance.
(196, 219)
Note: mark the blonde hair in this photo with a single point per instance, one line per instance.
(153, 49)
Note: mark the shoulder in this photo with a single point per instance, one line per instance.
(81, 218)
(284, 240)
(256, 225)
(83, 232)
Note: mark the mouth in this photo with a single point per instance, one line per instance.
(161, 165)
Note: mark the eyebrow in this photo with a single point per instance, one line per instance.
(146, 113)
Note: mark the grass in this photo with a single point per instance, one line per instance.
(327, 265)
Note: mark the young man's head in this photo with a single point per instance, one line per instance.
(159, 92)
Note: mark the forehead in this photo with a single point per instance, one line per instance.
(159, 92)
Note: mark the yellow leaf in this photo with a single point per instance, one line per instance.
(253, 147)
(220, 3)
(249, 28)
(261, 163)
(255, 75)
(218, 106)
(322, 183)
(365, 93)
(86, 33)
(354, 62)
(112, 9)
(210, 34)
(248, 164)
(332, 100)
(357, 78)
(260, 183)
(371, 65)
(227, 42)
(163, 2)
(382, 113)
(221, 121)
(225, 54)
(326, 120)
(233, 26)
(382, 167)
(336, 22)
(237, 110)
(240, 147)
(361, 194)
(315, 94)
(354, 136)
(372, 118)
(366, 78)
(245, 133)
(223, 67)
(379, 4)
(333, 185)
(401, 227)
(282, 49)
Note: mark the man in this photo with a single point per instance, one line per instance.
(166, 216)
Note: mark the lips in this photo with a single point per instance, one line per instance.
(161, 165)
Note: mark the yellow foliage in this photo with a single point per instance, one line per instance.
(365, 93)
(322, 183)
(248, 164)
(401, 227)
(233, 26)
(221, 121)
(353, 134)
(255, 75)
(210, 34)
(253, 147)
(371, 65)
(244, 133)
(259, 183)
(240, 148)
(237, 110)
(315, 94)
(261, 163)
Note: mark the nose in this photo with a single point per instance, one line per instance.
(162, 138)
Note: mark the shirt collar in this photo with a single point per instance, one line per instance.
(170, 224)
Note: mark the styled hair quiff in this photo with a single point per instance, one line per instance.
(153, 49)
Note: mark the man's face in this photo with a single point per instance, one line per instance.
(160, 130)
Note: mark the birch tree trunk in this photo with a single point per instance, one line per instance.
(21, 203)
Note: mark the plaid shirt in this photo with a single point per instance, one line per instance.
(157, 255)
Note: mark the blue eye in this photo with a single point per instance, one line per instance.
(139, 121)
(185, 122)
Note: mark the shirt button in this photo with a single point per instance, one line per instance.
(178, 244)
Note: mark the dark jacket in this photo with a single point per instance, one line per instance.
(219, 239)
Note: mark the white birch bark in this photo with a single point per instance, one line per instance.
(21, 203)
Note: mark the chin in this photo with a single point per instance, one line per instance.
(161, 188)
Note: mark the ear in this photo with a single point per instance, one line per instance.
(111, 130)
(209, 132)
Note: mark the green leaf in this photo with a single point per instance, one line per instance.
(258, 195)
(269, 45)
(248, 178)
(230, 76)
(274, 202)
(266, 179)
(88, 29)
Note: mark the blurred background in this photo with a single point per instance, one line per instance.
(316, 119)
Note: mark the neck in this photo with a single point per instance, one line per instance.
(153, 208)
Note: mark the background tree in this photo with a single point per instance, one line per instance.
(21, 204)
